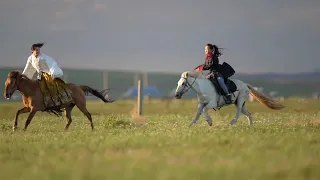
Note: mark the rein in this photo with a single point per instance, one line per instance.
(189, 86)
(16, 83)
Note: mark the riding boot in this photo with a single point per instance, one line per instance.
(228, 97)
(224, 88)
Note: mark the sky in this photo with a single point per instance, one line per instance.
(258, 36)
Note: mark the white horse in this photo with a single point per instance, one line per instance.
(209, 98)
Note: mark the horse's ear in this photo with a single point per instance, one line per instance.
(185, 75)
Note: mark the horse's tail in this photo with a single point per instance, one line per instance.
(263, 99)
(87, 89)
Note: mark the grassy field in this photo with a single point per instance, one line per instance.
(280, 145)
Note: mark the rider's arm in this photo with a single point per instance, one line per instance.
(53, 69)
(215, 62)
(29, 70)
(212, 64)
(198, 66)
(208, 64)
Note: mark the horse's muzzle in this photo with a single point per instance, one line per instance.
(8, 96)
(178, 95)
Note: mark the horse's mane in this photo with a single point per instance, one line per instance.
(194, 74)
(16, 74)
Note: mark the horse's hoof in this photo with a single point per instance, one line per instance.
(14, 128)
(232, 122)
(210, 123)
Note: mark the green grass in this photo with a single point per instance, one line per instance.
(280, 145)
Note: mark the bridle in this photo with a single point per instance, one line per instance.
(16, 83)
(187, 85)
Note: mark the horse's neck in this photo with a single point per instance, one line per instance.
(205, 88)
(27, 87)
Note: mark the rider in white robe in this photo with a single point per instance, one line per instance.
(55, 92)
(42, 63)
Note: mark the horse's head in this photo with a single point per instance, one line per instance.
(184, 84)
(11, 84)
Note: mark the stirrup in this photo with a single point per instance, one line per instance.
(228, 98)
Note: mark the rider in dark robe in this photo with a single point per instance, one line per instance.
(212, 64)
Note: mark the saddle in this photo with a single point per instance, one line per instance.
(56, 93)
(226, 71)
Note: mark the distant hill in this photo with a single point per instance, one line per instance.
(308, 75)
(295, 84)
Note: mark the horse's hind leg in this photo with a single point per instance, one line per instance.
(68, 116)
(241, 99)
(247, 114)
(239, 108)
(83, 109)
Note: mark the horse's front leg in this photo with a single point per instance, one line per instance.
(31, 115)
(20, 111)
(196, 117)
(208, 118)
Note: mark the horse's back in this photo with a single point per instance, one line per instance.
(240, 84)
(76, 90)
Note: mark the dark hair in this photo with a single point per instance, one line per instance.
(34, 46)
(216, 49)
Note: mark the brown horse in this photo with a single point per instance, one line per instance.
(33, 99)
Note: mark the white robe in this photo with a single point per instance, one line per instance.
(42, 63)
